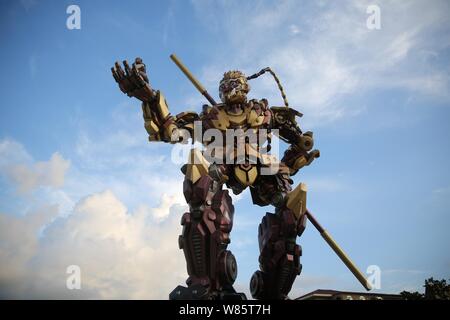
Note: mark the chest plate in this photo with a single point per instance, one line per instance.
(251, 115)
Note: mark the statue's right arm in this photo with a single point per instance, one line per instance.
(159, 123)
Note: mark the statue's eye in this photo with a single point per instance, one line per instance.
(234, 83)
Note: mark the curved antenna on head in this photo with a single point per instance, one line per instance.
(280, 87)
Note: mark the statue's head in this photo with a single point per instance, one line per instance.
(233, 87)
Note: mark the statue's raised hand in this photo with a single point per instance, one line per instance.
(133, 81)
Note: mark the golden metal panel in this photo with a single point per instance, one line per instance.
(296, 200)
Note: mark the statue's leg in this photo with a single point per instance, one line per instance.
(279, 253)
(206, 231)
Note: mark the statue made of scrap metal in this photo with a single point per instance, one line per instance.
(211, 267)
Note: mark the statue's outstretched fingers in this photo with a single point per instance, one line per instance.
(118, 79)
(127, 68)
(119, 71)
(140, 80)
(114, 73)
(134, 79)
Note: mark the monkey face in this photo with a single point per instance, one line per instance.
(233, 88)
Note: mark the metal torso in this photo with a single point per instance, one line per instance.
(253, 115)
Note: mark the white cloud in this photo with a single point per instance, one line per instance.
(335, 55)
(126, 249)
(400, 47)
(25, 173)
(125, 239)
(326, 184)
(294, 29)
(121, 158)
(122, 254)
(12, 152)
(18, 238)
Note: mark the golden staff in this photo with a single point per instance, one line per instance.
(325, 235)
(191, 77)
(337, 249)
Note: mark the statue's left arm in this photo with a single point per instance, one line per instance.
(299, 153)
(160, 124)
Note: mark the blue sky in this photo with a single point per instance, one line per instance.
(81, 185)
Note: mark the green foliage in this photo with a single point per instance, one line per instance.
(437, 289)
(411, 295)
(434, 290)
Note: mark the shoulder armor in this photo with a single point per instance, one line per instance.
(212, 117)
(258, 112)
(282, 115)
(284, 120)
(186, 117)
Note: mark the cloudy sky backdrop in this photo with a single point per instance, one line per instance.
(80, 184)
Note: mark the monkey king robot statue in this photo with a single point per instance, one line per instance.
(207, 226)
